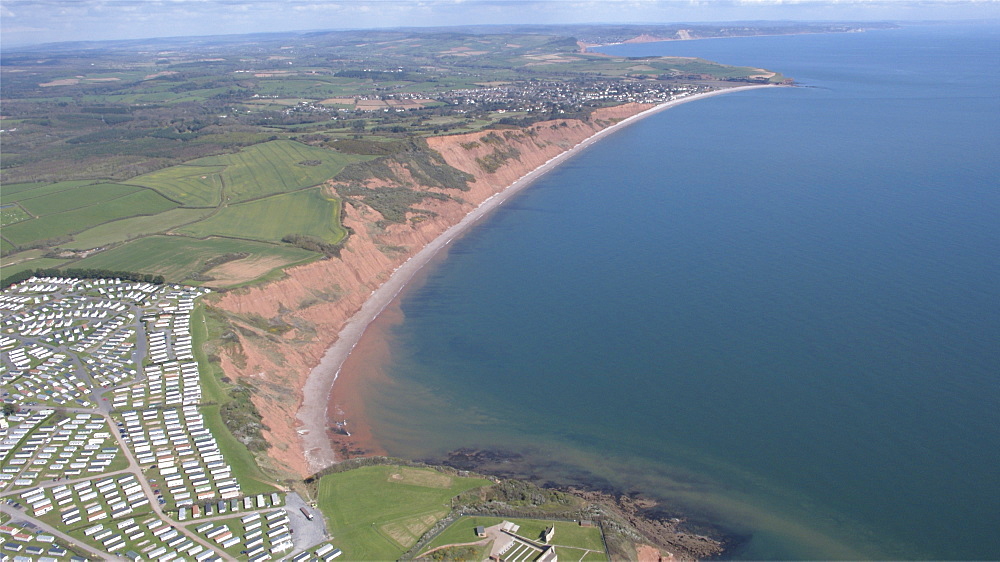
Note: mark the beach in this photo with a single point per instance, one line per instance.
(313, 417)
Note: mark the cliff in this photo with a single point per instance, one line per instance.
(282, 329)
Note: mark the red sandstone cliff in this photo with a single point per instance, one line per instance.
(313, 301)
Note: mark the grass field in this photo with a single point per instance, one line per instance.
(190, 185)
(275, 167)
(43, 263)
(127, 229)
(572, 541)
(179, 257)
(210, 373)
(19, 191)
(11, 213)
(378, 512)
(302, 212)
(76, 198)
(145, 202)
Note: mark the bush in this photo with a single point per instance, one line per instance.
(243, 419)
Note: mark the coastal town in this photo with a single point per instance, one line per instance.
(108, 444)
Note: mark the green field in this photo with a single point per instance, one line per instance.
(178, 257)
(135, 227)
(378, 512)
(40, 263)
(266, 178)
(572, 541)
(11, 213)
(274, 167)
(19, 191)
(145, 202)
(76, 198)
(302, 212)
(192, 186)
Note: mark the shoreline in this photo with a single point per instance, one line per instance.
(312, 414)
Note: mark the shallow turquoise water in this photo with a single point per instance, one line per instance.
(777, 310)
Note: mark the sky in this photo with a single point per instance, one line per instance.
(26, 22)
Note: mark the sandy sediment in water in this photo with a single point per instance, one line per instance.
(327, 305)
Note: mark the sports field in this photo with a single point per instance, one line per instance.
(378, 512)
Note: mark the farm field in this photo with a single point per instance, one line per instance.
(12, 213)
(19, 191)
(190, 185)
(145, 202)
(178, 258)
(135, 227)
(76, 198)
(259, 184)
(271, 218)
(41, 263)
(378, 512)
(269, 168)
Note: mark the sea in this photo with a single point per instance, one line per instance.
(775, 312)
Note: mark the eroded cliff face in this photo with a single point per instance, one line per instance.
(283, 328)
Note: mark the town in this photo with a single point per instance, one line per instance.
(106, 445)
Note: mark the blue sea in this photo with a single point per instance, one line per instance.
(777, 312)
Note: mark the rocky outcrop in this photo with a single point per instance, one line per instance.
(283, 328)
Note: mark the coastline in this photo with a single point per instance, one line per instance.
(312, 414)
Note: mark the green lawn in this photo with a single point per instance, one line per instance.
(572, 541)
(378, 512)
(302, 212)
(145, 202)
(76, 198)
(179, 257)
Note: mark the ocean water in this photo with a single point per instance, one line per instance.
(776, 311)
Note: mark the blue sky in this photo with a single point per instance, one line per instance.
(42, 21)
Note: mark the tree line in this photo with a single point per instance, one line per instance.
(79, 273)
